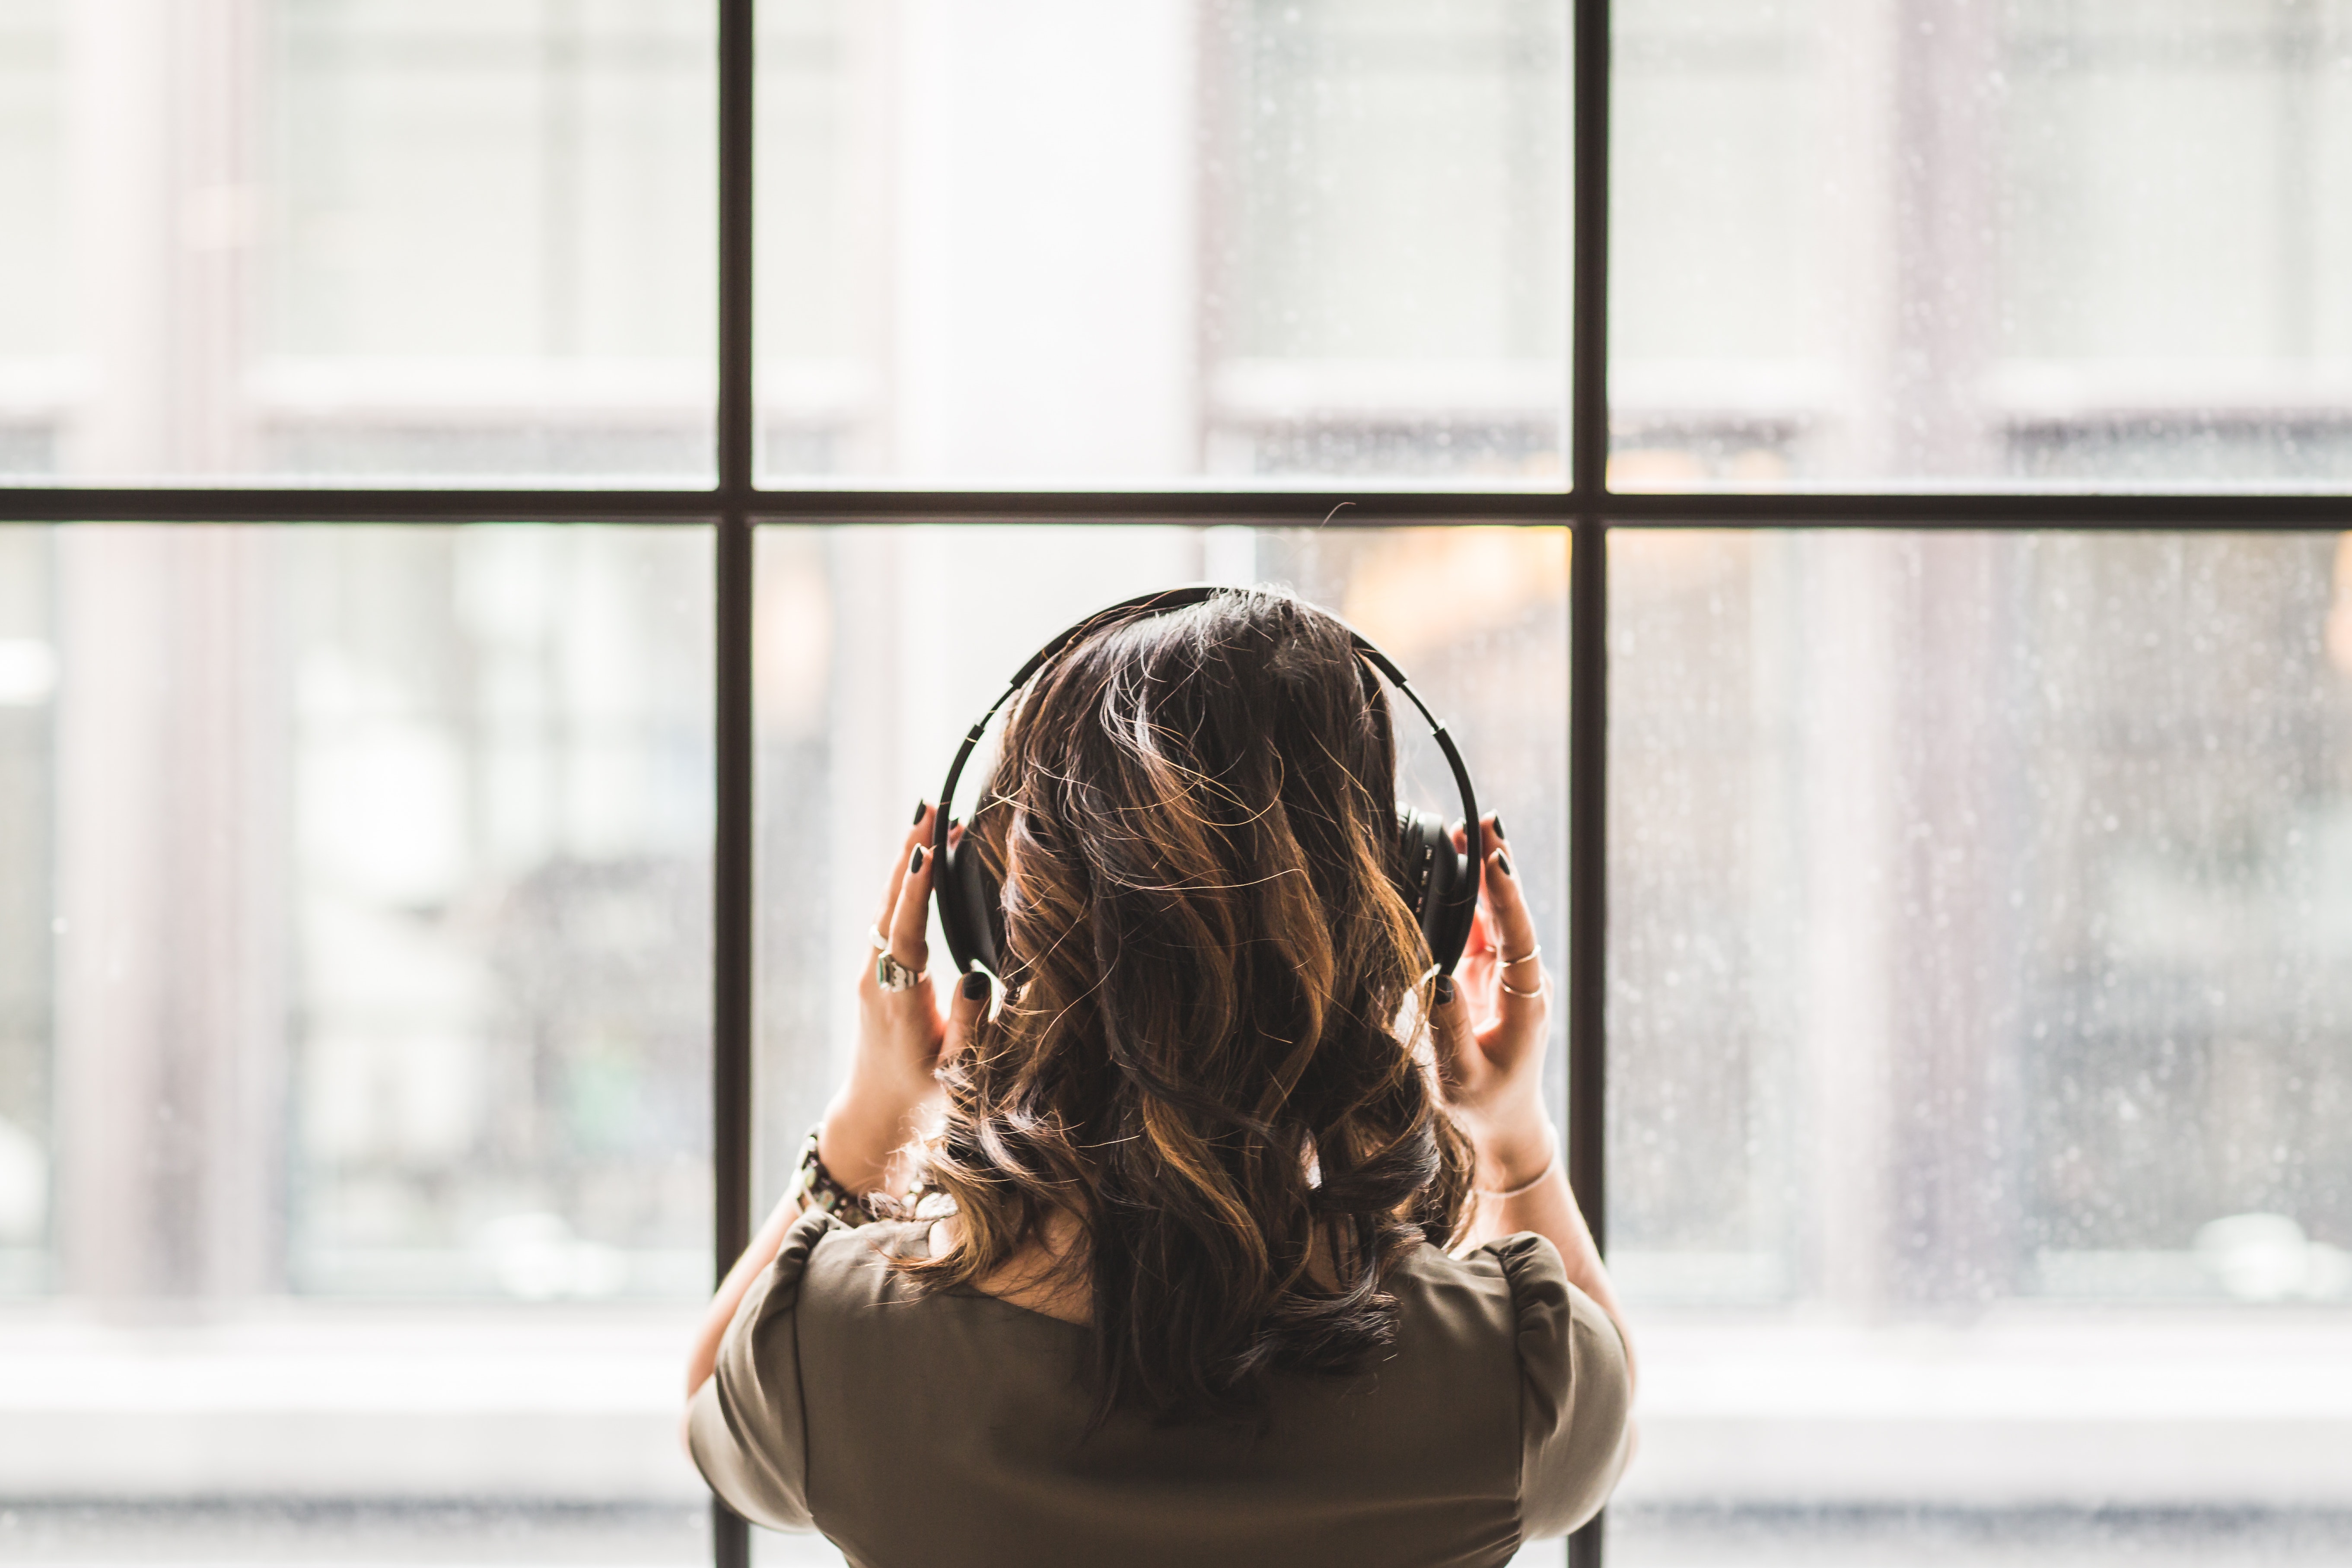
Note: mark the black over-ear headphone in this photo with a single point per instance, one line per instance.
(1438, 882)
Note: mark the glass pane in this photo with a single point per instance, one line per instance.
(1035, 241)
(397, 241)
(878, 646)
(1981, 1020)
(2044, 243)
(354, 1131)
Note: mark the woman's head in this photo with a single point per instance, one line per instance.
(1200, 1057)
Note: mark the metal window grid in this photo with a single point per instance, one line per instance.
(736, 505)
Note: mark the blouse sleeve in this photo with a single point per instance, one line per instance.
(1575, 1396)
(747, 1427)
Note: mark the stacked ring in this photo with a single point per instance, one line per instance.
(1511, 990)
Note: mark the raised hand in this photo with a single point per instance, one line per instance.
(1492, 1035)
(901, 1032)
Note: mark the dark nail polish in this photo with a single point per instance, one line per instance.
(1498, 825)
(1444, 990)
(923, 805)
(975, 986)
(915, 865)
(1502, 863)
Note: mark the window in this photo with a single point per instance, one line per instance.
(411, 244)
(2028, 243)
(508, 502)
(1977, 1019)
(1235, 241)
(357, 1054)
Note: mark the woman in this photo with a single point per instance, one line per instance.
(1175, 1290)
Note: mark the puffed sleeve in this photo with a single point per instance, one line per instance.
(747, 1427)
(1575, 1396)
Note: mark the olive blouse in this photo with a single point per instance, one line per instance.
(950, 1429)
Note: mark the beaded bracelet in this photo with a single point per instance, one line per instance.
(825, 1190)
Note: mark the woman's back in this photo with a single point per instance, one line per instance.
(953, 1428)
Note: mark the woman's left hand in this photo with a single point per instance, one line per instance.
(902, 1034)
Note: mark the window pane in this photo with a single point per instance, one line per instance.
(403, 241)
(354, 1080)
(1981, 1033)
(1035, 240)
(878, 646)
(2044, 242)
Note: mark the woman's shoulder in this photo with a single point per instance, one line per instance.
(842, 1263)
(1574, 1391)
(1495, 1284)
(823, 1265)
(1517, 1286)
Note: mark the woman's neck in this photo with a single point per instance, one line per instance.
(1047, 1275)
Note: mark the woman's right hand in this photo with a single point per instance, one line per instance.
(1492, 1034)
(902, 1034)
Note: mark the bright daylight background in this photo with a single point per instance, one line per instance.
(1982, 906)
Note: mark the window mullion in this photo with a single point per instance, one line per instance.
(733, 894)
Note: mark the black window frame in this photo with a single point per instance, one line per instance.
(736, 505)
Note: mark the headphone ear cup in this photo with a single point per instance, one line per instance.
(1413, 857)
(1453, 902)
(1438, 883)
(971, 908)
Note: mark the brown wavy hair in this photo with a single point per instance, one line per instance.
(1204, 1055)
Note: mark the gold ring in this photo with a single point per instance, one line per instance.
(1523, 958)
(1543, 983)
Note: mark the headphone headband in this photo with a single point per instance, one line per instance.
(1448, 926)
